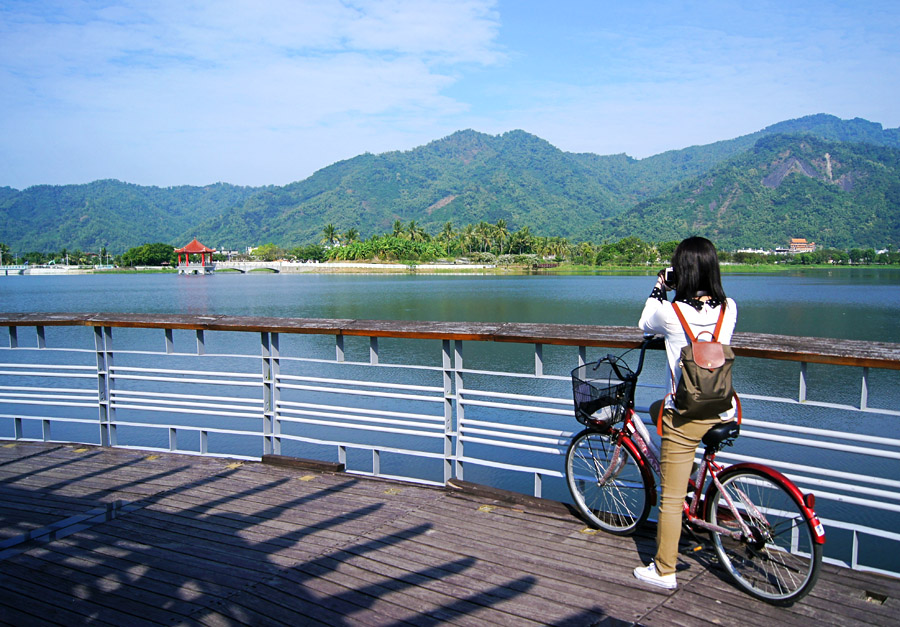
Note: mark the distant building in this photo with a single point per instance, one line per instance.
(799, 245)
(195, 248)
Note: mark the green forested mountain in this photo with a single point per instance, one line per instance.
(724, 190)
(833, 193)
(110, 214)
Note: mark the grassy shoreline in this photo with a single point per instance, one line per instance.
(563, 269)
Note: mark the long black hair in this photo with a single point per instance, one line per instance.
(696, 266)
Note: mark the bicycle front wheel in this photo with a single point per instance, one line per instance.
(607, 482)
(779, 562)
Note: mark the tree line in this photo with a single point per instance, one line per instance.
(495, 243)
(482, 242)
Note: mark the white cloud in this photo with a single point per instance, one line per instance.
(216, 73)
(266, 92)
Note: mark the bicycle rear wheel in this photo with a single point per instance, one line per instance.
(780, 562)
(607, 482)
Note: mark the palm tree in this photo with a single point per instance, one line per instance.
(522, 241)
(415, 233)
(398, 228)
(586, 253)
(351, 236)
(483, 232)
(559, 247)
(447, 233)
(501, 233)
(468, 237)
(330, 233)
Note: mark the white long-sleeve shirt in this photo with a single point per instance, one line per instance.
(659, 318)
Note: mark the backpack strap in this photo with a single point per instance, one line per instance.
(719, 323)
(684, 324)
(687, 327)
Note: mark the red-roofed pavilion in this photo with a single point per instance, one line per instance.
(195, 248)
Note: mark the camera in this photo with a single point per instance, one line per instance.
(669, 278)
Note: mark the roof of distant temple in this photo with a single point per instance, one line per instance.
(195, 247)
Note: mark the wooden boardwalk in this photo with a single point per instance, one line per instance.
(123, 537)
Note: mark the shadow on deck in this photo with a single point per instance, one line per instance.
(120, 537)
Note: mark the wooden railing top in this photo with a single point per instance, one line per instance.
(768, 346)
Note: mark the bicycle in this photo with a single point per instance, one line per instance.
(764, 529)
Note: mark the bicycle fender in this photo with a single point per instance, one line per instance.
(811, 518)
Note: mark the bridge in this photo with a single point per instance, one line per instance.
(7, 270)
(249, 266)
(299, 266)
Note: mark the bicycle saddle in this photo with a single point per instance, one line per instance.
(721, 432)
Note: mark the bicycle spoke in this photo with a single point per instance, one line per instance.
(606, 482)
(777, 560)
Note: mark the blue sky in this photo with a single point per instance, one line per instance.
(268, 91)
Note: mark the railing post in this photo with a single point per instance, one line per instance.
(13, 337)
(864, 395)
(446, 361)
(538, 360)
(460, 406)
(41, 338)
(802, 396)
(339, 347)
(373, 350)
(275, 372)
(106, 410)
(270, 366)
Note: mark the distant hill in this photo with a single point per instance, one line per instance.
(833, 193)
(110, 214)
(470, 177)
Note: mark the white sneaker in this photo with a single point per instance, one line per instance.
(648, 574)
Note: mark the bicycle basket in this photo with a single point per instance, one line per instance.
(601, 394)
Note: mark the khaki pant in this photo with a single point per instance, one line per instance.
(680, 437)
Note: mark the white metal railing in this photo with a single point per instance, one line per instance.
(415, 412)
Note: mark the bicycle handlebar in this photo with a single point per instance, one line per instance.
(649, 341)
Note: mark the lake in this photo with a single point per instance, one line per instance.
(859, 304)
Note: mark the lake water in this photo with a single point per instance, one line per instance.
(840, 304)
(846, 303)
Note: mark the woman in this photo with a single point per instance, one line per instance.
(699, 294)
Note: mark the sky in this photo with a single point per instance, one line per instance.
(266, 92)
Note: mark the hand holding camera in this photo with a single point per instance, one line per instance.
(667, 278)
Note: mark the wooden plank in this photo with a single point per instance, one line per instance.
(170, 565)
(27, 603)
(413, 329)
(769, 346)
(492, 549)
(253, 545)
(331, 607)
(454, 577)
(64, 594)
(145, 598)
(299, 463)
(419, 600)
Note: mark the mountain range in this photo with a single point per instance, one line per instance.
(832, 181)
